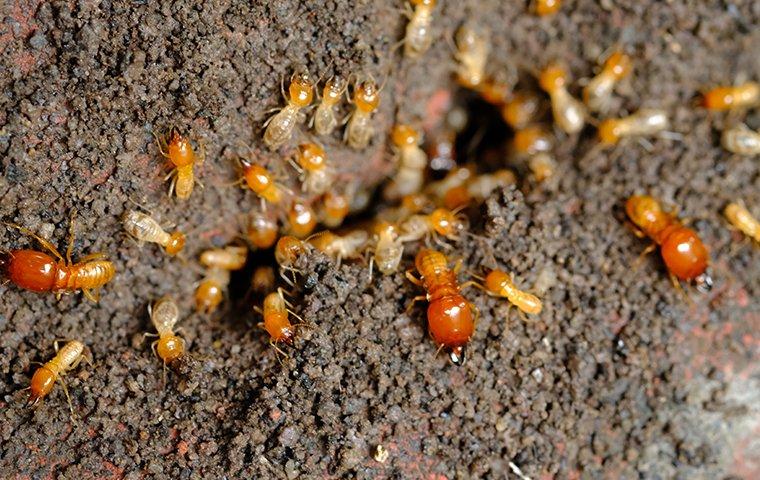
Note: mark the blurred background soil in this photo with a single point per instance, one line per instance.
(619, 377)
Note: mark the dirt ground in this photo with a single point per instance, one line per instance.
(619, 377)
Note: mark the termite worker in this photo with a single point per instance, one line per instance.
(169, 347)
(219, 262)
(339, 247)
(450, 317)
(178, 150)
(263, 281)
(359, 130)
(39, 272)
(262, 183)
(144, 228)
(598, 92)
(66, 359)
(684, 254)
(569, 113)
(301, 219)
(730, 98)
(741, 140)
(324, 118)
(286, 252)
(418, 31)
(276, 322)
(472, 55)
(647, 121)
(501, 284)
(741, 218)
(543, 8)
(315, 173)
(262, 230)
(279, 127)
(412, 162)
(441, 221)
(335, 208)
(388, 248)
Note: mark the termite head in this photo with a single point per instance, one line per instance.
(423, 3)
(286, 335)
(256, 176)
(301, 89)
(405, 136)
(609, 131)
(618, 65)
(262, 230)
(43, 382)
(642, 210)
(176, 243)
(367, 96)
(170, 348)
(311, 156)
(179, 150)
(208, 296)
(552, 78)
(334, 89)
(447, 223)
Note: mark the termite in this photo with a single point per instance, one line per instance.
(569, 113)
(339, 247)
(647, 121)
(451, 322)
(169, 347)
(359, 130)
(335, 208)
(388, 248)
(520, 110)
(598, 92)
(498, 283)
(262, 230)
(262, 280)
(66, 359)
(481, 186)
(39, 272)
(276, 321)
(279, 127)
(301, 219)
(741, 218)
(145, 228)
(418, 31)
(472, 55)
(324, 118)
(495, 91)
(219, 262)
(262, 183)
(729, 98)
(178, 150)
(441, 221)
(542, 166)
(412, 162)
(546, 7)
(286, 252)
(410, 205)
(311, 164)
(457, 177)
(684, 254)
(531, 140)
(741, 140)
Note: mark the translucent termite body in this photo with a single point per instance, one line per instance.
(340, 247)
(145, 228)
(741, 140)
(366, 99)
(262, 230)
(219, 262)
(66, 359)
(569, 113)
(647, 121)
(441, 221)
(324, 118)
(164, 315)
(279, 128)
(741, 218)
(730, 98)
(412, 162)
(178, 150)
(501, 284)
(418, 31)
(598, 92)
(302, 219)
(388, 248)
(316, 174)
(472, 55)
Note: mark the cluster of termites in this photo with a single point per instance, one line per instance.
(424, 212)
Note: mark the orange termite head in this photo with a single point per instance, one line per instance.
(176, 243)
(414, 202)
(531, 140)
(609, 131)
(170, 348)
(367, 96)
(552, 78)
(262, 230)
(520, 110)
(423, 3)
(405, 136)
(546, 7)
(301, 89)
(179, 150)
(336, 207)
(208, 296)
(256, 177)
(643, 210)
(334, 89)
(495, 92)
(618, 65)
(445, 222)
(311, 156)
(287, 250)
(42, 383)
(302, 219)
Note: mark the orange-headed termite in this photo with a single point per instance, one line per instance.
(169, 347)
(335, 208)
(418, 31)
(146, 229)
(288, 250)
(520, 110)
(276, 321)
(279, 127)
(741, 140)
(412, 162)
(324, 117)
(39, 272)
(338, 247)
(598, 91)
(729, 98)
(388, 248)
(501, 284)
(546, 7)
(66, 359)
(569, 113)
(741, 218)
(441, 221)
(178, 150)
(262, 230)
(682, 250)
(262, 182)
(366, 98)
(219, 262)
(647, 121)
(451, 321)
(301, 219)
(311, 163)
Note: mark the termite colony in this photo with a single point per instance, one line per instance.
(295, 186)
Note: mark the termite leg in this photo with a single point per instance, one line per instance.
(93, 257)
(410, 276)
(418, 298)
(70, 246)
(45, 244)
(651, 248)
(68, 397)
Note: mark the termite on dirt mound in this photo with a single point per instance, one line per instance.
(287, 251)
(262, 230)
(219, 262)
(316, 175)
(179, 151)
(324, 119)
(388, 248)
(501, 284)
(598, 92)
(569, 113)
(412, 161)
(339, 247)
(66, 359)
(366, 98)
(684, 254)
(741, 140)
(441, 222)
(418, 31)
(276, 322)
(520, 110)
(647, 121)
(302, 219)
(472, 56)
(741, 218)
(730, 98)
(262, 183)
(451, 318)
(169, 347)
(145, 228)
(279, 127)
(39, 272)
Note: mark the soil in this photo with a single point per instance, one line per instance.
(619, 377)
